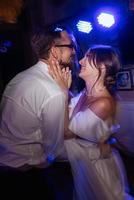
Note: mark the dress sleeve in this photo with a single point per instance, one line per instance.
(87, 125)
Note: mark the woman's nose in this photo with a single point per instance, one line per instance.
(74, 51)
(80, 62)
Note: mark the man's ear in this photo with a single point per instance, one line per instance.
(103, 67)
(54, 52)
(103, 70)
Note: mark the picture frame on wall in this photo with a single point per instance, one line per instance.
(132, 70)
(124, 80)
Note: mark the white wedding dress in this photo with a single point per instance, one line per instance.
(95, 178)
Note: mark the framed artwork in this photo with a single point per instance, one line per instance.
(132, 70)
(124, 80)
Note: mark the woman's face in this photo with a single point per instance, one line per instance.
(87, 70)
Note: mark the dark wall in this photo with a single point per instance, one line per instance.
(126, 39)
(15, 51)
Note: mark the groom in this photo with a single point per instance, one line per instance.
(32, 123)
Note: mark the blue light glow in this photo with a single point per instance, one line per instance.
(84, 26)
(50, 158)
(7, 43)
(106, 20)
(5, 46)
(58, 29)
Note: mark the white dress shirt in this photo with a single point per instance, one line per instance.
(32, 118)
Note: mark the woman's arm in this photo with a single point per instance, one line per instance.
(68, 134)
(63, 78)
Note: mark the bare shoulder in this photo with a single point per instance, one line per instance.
(103, 107)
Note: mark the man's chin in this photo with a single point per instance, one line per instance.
(65, 65)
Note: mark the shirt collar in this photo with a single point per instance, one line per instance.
(43, 66)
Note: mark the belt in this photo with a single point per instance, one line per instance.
(25, 167)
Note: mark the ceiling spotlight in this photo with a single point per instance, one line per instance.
(84, 26)
(106, 19)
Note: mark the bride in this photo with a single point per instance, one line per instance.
(97, 168)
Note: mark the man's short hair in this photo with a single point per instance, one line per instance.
(43, 40)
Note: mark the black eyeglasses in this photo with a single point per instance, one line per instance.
(71, 46)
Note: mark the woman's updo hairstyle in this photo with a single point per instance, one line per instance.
(105, 55)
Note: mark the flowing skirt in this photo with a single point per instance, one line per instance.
(96, 178)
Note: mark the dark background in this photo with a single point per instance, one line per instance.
(41, 14)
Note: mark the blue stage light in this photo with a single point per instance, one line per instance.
(57, 29)
(105, 19)
(84, 26)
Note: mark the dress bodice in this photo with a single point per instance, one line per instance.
(87, 125)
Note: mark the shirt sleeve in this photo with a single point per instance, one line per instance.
(53, 125)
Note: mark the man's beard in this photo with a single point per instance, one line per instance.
(69, 64)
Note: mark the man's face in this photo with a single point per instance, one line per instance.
(66, 50)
